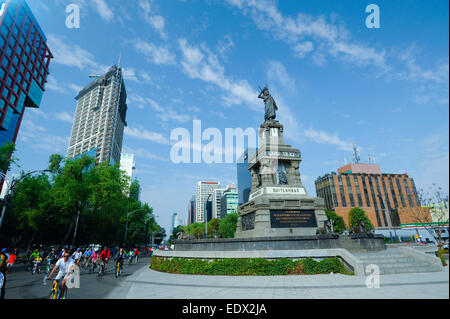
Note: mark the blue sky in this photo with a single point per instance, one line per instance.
(336, 82)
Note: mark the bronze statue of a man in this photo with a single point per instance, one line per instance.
(270, 104)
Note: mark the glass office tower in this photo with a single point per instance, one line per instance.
(24, 64)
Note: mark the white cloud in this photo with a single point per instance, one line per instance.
(64, 116)
(144, 154)
(65, 88)
(73, 55)
(157, 55)
(225, 46)
(277, 72)
(321, 39)
(157, 22)
(143, 134)
(104, 10)
(322, 137)
(308, 33)
(164, 113)
(39, 138)
(303, 48)
(200, 63)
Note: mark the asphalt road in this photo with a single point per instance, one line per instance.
(23, 285)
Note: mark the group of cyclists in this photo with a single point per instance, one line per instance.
(63, 261)
(90, 258)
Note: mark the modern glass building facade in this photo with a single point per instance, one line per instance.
(25, 60)
(388, 199)
(244, 178)
(191, 210)
(229, 202)
(204, 190)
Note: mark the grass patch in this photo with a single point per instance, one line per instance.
(248, 267)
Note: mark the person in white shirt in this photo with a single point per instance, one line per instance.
(77, 256)
(65, 266)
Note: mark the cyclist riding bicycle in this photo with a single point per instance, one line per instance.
(38, 261)
(104, 256)
(61, 253)
(130, 256)
(77, 256)
(120, 257)
(65, 266)
(34, 254)
(52, 257)
(95, 256)
(88, 255)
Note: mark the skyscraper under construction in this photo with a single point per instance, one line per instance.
(100, 118)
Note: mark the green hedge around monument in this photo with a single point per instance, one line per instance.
(247, 267)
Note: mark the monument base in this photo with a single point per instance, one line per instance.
(353, 243)
(275, 211)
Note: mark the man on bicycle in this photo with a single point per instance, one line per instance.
(120, 257)
(65, 266)
(104, 256)
(136, 253)
(88, 255)
(77, 256)
(34, 255)
(51, 257)
(130, 255)
(37, 262)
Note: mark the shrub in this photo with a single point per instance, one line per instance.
(248, 267)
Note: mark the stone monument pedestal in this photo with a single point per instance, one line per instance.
(278, 204)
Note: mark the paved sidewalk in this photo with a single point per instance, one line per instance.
(149, 284)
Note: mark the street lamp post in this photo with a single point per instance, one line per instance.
(10, 187)
(126, 226)
(76, 224)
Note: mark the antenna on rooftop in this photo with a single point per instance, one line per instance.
(356, 157)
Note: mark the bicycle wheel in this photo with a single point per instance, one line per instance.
(53, 294)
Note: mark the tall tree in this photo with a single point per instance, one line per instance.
(6, 156)
(228, 225)
(357, 214)
(338, 221)
(71, 190)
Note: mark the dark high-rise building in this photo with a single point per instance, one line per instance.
(244, 178)
(191, 210)
(25, 60)
(388, 199)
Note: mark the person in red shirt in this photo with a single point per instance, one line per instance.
(11, 262)
(104, 256)
(137, 253)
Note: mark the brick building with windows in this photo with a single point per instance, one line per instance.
(24, 63)
(388, 199)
